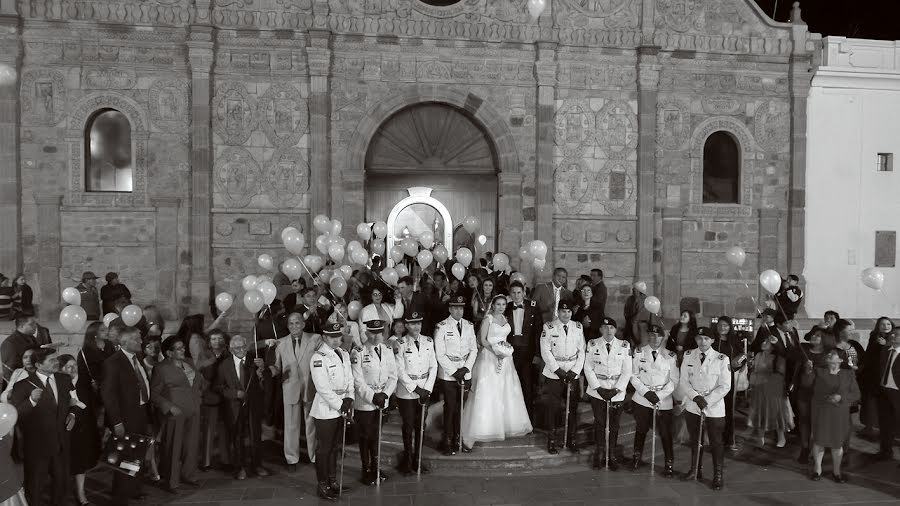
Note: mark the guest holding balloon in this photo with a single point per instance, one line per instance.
(790, 296)
(481, 301)
(112, 292)
(471, 290)
(12, 476)
(636, 314)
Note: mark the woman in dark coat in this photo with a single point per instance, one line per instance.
(727, 343)
(834, 391)
(95, 349)
(588, 313)
(681, 337)
(802, 383)
(869, 375)
(22, 296)
(85, 438)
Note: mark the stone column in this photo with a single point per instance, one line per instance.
(509, 205)
(49, 251)
(166, 255)
(768, 243)
(200, 55)
(10, 184)
(648, 90)
(800, 81)
(545, 71)
(318, 55)
(671, 261)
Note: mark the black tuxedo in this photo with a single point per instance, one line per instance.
(526, 345)
(45, 438)
(121, 393)
(243, 417)
(888, 401)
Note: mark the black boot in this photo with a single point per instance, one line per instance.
(669, 470)
(403, 464)
(415, 466)
(696, 473)
(447, 446)
(638, 451)
(635, 462)
(718, 481)
(335, 488)
(571, 444)
(324, 491)
(613, 461)
(551, 443)
(598, 458)
(368, 476)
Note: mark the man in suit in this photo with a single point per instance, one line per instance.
(46, 416)
(600, 291)
(126, 396)
(549, 295)
(176, 389)
(315, 316)
(524, 317)
(418, 302)
(14, 346)
(292, 354)
(241, 382)
(889, 400)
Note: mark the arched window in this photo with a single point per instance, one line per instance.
(721, 169)
(108, 162)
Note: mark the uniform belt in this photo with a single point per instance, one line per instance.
(418, 376)
(342, 392)
(457, 359)
(377, 387)
(608, 378)
(657, 388)
(566, 359)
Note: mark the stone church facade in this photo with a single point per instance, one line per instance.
(248, 116)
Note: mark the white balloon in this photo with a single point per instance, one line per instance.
(536, 8)
(770, 281)
(224, 301)
(131, 315)
(249, 282)
(268, 291)
(73, 318)
(265, 261)
(72, 296)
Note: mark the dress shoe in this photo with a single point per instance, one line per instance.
(718, 481)
(466, 449)
(169, 488)
(291, 468)
(572, 446)
(241, 474)
(668, 471)
(261, 471)
(335, 488)
(613, 463)
(191, 482)
(384, 476)
(325, 492)
(839, 478)
(598, 459)
(368, 477)
(635, 463)
(551, 447)
(816, 476)
(693, 475)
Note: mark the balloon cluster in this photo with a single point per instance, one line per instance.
(536, 253)
(73, 317)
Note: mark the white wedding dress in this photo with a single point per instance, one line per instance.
(495, 409)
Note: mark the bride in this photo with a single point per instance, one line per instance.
(496, 408)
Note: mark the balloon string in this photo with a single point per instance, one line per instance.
(316, 278)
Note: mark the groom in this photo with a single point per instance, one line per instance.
(525, 321)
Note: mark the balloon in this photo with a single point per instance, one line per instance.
(338, 240)
(458, 271)
(294, 242)
(440, 254)
(346, 271)
(262, 278)
(8, 417)
(265, 261)
(378, 247)
(770, 281)
(641, 286)
(287, 230)
(336, 252)
(390, 276)
(652, 304)
(332, 239)
(424, 258)
(396, 254)
(517, 276)
(131, 315)
(409, 246)
(536, 8)
(336, 227)
(338, 286)
(736, 256)
(321, 223)
(364, 231)
(873, 278)
(224, 301)
(73, 318)
(538, 249)
(268, 291)
(322, 244)
(501, 261)
(402, 270)
(482, 240)
(525, 254)
(471, 224)
(360, 257)
(108, 318)
(326, 274)
(464, 256)
(380, 229)
(427, 239)
(353, 309)
(353, 246)
(314, 263)
(539, 263)
(254, 301)
(72, 296)
(249, 282)
(292, 268)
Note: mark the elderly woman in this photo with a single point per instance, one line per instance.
(834, 391)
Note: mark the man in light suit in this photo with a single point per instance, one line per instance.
(176, 389)
(292, 354)
(549, 295)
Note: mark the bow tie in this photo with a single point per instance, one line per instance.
(518, 306)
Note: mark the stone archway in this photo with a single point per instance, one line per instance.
(348, 195)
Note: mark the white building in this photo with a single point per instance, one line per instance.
(853, 178)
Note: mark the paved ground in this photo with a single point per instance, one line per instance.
(754, 477)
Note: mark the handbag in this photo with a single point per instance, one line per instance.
(741, 381)
(127, 454)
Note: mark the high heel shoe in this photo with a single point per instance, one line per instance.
(839, 478)
(781, 442)
(816, 476)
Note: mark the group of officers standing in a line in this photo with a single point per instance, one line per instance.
(356, 387)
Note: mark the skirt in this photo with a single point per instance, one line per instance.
(769, 407)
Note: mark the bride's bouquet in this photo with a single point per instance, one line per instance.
(502, 349)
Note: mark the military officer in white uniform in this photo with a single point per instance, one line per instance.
(333, 378)
(417, 372)
(704, 383)
(456, 348)
(562, 349)
(607, 368)
(654, 376)
(375, 379)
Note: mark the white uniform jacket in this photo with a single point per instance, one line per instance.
(333, 378)
(660, 376)
(372, 374)
(416, 366)
(711, 379)
(607, 368)
(562, 347)
(455, 350)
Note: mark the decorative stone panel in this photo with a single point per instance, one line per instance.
(283, 115)
(43, 97)
(237, 176)
(169, 106)
(234, 113)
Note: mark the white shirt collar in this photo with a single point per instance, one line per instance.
(44, 377)
(128, 355)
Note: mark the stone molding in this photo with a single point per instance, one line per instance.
(749, 150)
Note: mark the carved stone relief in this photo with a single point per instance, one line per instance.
(673, 123)
(575, 127)
(617, 129)
(238, 177)
(103, 78)
(573, 185)
(43, 97)
(169, 108)
(680, 15)
(771, 125)
(286, 177)
(234, 113)
(283, 115)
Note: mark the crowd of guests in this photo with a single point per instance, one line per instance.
(210, 398)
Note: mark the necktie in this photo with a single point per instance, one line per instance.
(887, 368)
(378, 352)
(417, 344)
(296, 346)
(654, 356)
(702, 357)
(145, 394)
(339, 356)
(49, 388)
(241, 375)
(566, 329)
(517, 306)
(459, 327)
(608, 347)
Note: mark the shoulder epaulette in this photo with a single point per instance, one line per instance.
(672, 354)
(548, 325)
(688, 352)
(577, 325)
(533, 304)
(722, 356)
(320, 352)
(624, 343)
(439, 324)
